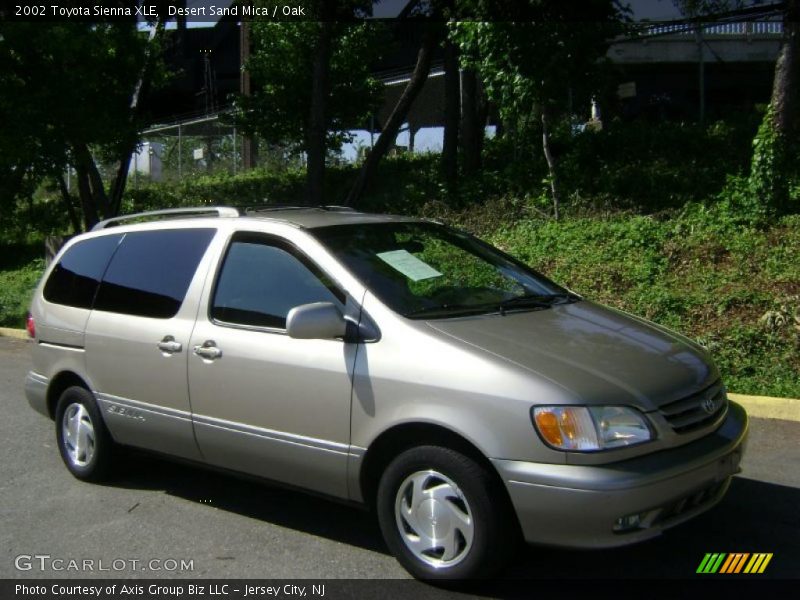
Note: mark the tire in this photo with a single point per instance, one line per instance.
(441, 514)
(83, 440)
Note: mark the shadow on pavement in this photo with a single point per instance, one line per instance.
(277, 505)
(754, 517)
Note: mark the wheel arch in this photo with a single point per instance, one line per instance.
(59, 383)
(404, 436)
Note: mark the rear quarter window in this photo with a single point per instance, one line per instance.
(151, 272)
(74, 280)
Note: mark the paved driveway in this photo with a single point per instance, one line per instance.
(227, 527)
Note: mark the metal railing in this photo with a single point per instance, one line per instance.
(734, 29)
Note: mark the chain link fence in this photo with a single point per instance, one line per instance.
(204, 146)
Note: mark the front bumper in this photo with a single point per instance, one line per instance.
(579, 506)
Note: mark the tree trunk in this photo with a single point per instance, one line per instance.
(88, 206)
(317, 120)
(98, 189)
(396, 119)
(482, 118)
(141, 89)
(67, 198)
(784, 87)
(90, 185)
(773, 157)
(452, 108)
(551, 161)
(472, 129)
(500, 129)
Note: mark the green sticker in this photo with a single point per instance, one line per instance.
(409, 265)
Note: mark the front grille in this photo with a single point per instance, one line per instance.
(692, 413)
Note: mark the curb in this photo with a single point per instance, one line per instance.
(20, 334)
(760, 407)
(766, 407)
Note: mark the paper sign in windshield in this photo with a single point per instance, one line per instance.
(409, 265)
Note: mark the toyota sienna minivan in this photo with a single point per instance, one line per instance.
(385, 361)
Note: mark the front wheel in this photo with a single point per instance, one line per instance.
(83, 440)
(440, 515)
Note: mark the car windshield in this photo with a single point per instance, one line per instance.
(425, 270)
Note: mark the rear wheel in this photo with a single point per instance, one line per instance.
(439, 512)
(83, 440)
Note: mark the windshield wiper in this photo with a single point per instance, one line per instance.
(446, 310)
(535, 301)
(524, 301)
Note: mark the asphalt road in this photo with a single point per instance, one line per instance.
(229, 527)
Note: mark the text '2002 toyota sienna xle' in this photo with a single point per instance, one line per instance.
(385, 361)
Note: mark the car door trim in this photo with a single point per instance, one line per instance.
(106, 400)
(273, 435)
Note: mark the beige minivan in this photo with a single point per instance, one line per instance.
(384, 361)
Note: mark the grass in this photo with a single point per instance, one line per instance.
(733, 288)
(737, 292)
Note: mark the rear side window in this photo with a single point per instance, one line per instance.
(75, 278)
(151, 271)
(262, 279)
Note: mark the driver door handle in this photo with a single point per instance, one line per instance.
(168, 345)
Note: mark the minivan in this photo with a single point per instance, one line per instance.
(385, 361)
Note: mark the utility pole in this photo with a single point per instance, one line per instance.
(248, 144)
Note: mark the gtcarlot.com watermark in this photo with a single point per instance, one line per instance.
(33, 563)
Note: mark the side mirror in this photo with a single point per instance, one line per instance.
(316, 321)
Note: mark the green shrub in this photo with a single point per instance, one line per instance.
(652, 166)
(16, 289)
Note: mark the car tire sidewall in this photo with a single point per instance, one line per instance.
(487, 553)
(97, 468)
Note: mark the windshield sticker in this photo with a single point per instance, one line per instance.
(409, 265)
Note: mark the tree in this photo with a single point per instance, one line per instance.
(395, 120)
(428, 14)
(474, 111)
(772, 167)
(452, 109)
(774, 161)
(530, 53)
(311, 83)
(785, 95)
(70, 92)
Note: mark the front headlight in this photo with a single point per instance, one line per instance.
(590, 428)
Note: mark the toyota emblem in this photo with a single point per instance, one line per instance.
(709, 405)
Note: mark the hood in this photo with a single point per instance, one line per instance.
(600, 355)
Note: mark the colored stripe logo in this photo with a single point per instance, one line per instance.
(734, 562)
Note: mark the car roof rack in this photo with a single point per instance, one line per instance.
(275, 207)
(220, 211)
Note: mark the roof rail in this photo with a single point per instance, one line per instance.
(220, 211)
(274, 207)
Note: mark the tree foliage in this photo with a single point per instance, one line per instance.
(65, 97)
(281, 67)
(534, 55)
(532, 52)
(63, 84)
